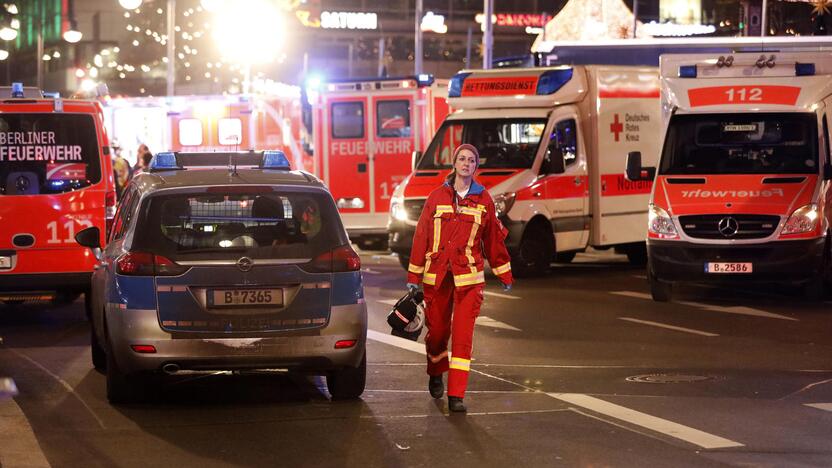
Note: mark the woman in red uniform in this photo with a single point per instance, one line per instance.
(458, 226)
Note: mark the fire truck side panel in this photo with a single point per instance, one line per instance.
(348, 157)
(627, 118)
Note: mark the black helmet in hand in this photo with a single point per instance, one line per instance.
(408, 315)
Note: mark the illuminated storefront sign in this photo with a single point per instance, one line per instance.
(518, 20)
(348, 20)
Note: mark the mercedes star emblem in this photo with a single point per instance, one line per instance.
(728, 226)
(244, 264)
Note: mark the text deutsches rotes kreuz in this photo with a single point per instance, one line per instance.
(358, 148)
(36, 146)
(632, 126)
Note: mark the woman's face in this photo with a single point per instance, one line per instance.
(465, 163)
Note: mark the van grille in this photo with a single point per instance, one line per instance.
(735, 226)
(413, 208)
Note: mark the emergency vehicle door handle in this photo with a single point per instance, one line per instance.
(577, 181)
(537, 194)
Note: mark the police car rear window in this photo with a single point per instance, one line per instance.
(753, 143)
(271, 225)
(47, 153)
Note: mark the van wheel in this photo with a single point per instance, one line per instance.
(565, 257)
(347, 383)
(404, 261)
(121, 387)
(661, 291)
(814, 289)
(99, 356)
(534, 254)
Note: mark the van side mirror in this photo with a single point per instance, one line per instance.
(827, 171)
(414, 158)
(90, 238)
(634, 171)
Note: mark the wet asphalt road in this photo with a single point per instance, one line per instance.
(578, 368)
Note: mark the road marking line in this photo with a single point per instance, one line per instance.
(500, 295)
(663, 426)
(653, 423)
(486, 392)
(370, 272)
(739, 310)
(807, 387)
(526, 366)
(669, 327)
(20, 447)
(388, 258)
(396, 341)
(63, 383)
(484, 321)
(821, 406)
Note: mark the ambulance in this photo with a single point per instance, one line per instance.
(552, 144)
(364, 133)
(212, 123)
(56, 179)
(741, 189)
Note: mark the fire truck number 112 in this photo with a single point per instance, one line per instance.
(69, 227)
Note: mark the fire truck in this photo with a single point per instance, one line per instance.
(364, 135)
(56, 179)
(213, 123)
(552, 143)
(741, 191)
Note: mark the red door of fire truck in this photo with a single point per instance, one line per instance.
(347, 159)
(392, 144)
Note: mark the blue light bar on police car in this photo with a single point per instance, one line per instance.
(552, 80)
(687, 71)
(425, 79)
(17, 90)
(274, 159)
(804, 69)
(455, 87)
(164, 161)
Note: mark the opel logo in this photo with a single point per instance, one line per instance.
(728, 226)
(244, 264)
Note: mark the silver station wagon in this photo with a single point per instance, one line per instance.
(226, 261)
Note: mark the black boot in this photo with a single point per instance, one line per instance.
(435, 386)
(455, 405)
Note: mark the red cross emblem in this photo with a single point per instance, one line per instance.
(616, 127)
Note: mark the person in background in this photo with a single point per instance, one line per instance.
(143, 158)
(122, 172)
(457, 230)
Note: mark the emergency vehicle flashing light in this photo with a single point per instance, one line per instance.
(547, 82)
(164, 161)
(170, 161)
(455, 87)
(275, 160)
(17, 90)
(800, 69)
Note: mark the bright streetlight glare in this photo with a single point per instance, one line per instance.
(72, 36)
(211, 5)
(4, 54)
(8, 34)
(251, 34)
(87, 85)
(130, 4)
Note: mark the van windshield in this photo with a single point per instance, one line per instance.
(47, 153)
(217, 225)
(502, 143)
(756, 143)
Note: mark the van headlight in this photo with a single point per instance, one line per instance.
(397, 210)
(802, 220)
(503, 203)
(659, 223)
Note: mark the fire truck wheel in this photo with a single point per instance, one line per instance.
(347, 383)
(535, 252)
(661, 291)
(565, 257)
(404, 261)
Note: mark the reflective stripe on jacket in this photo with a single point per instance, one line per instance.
(453, 235)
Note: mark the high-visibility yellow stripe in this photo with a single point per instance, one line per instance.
(502, 269)
(469, 278)
(415, 269)
(460, 364)
(429, 278)
(442, 209)
(474, 228)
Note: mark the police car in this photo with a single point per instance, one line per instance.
(226, 261)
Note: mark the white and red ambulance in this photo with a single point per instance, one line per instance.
(552, 144)
(364, 135)
(212, 123)
(742, 188)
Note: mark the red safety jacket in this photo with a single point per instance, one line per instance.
(453, 234)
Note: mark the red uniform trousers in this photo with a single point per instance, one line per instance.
(450, 312)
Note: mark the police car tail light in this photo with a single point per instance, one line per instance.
(147, 264)
(802, 220)
(659, 223)
(339, 259)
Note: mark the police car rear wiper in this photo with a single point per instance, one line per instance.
(213, 250)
